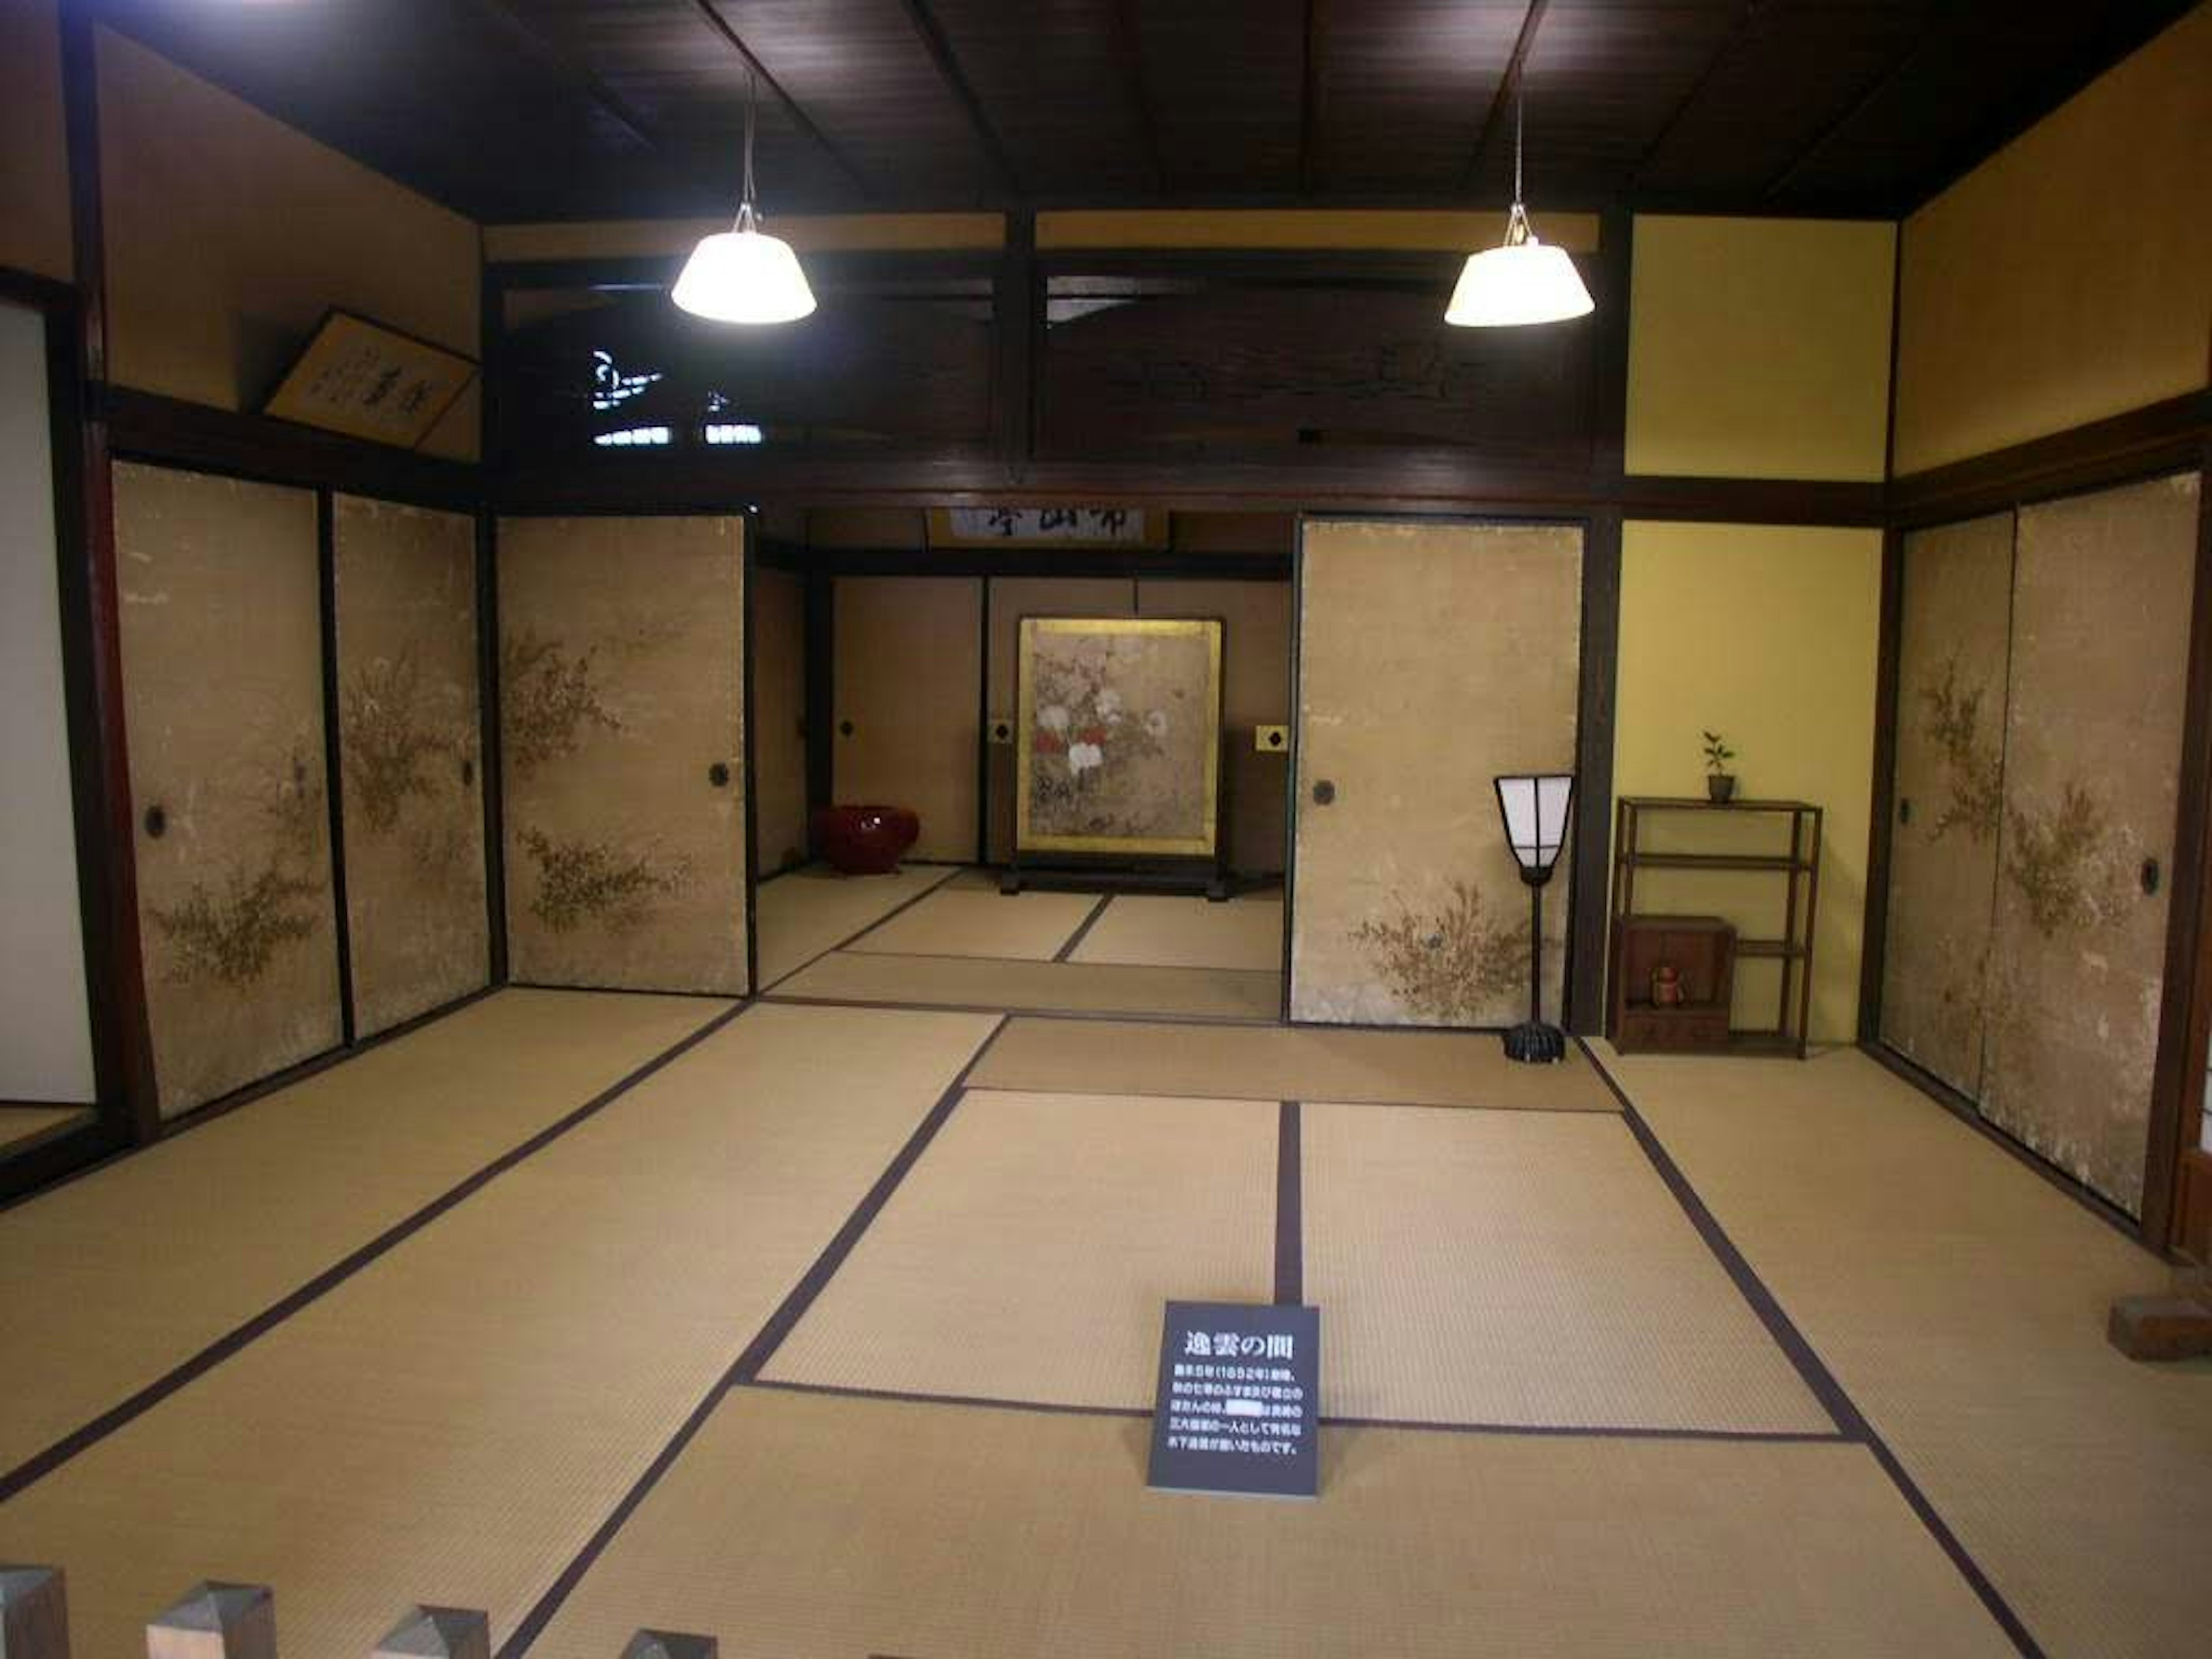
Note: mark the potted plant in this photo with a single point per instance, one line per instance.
(1721, 784)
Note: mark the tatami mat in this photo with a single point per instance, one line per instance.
(1961, 1302)
(1420, 1068)
(961, 922)
(1526, 1268)
(1027, 1255)
(21, 1125)
(798, 1527)
(1179, 931)
(1079, 987)
(112, 1280)
(453, 1424)
(815, 909)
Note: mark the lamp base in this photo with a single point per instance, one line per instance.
(1535, 1045)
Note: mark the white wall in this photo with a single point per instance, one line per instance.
(46, 1032)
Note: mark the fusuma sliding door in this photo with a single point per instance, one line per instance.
(409, 729)
(2041, 669)
(1431, 657)
(621, 688)
(222, 677)
(2093, 754)
(909, 664)
(1953, 662)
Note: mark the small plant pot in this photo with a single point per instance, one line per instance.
(1721, 787)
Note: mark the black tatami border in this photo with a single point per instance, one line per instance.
(745, 1370)
(43, 1463)
(1067, 952)
(897, 909)
(1817, 1376)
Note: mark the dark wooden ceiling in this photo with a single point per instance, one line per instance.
(546, 109)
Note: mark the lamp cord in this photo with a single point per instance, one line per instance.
(745, 210)
(1516, 142)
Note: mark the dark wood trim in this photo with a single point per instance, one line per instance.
(149, 426)
(1589, 903)
(1313, 93)
(326, 587)
(523, 33)
(1818, 502)
(30, 1167)
(1129, 59)
(27, 287)
(1745, 20)
(947, 64)
(2167, 434)
(91, 640)
(1018, 315)
(1880, 84)
(984, 733)
(1102, 563)
(748, 759)
(491, 775)
(1508, 84)
(1874, 932)
(1290, 1206)
(821, 671)
(2184, 1028)
(711, 14)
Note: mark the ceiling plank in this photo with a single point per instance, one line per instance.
(1129, 53)
(1313, 105)
(1508, 86)
(549, 56)
(800, 117)
(948, 69)
(1729, 43)
(1875, 90)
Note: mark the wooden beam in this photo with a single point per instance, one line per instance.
(1508, 85)
(799, 119)
(955, 82)
(1313, 97)
(1810, 150)
(1129, 57)
(1726, 47)
(552, 59)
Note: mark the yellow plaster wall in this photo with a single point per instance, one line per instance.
(1770, 635)
(2069, 277)
(229, 234)
(35, 195)
(1759, 348)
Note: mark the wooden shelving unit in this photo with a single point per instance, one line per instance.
(1798, 870)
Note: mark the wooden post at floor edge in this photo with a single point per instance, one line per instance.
(33, 1613)
(438, 1633)
(216, 1621)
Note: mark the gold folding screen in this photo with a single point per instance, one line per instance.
(621, 660)
(1432, 656)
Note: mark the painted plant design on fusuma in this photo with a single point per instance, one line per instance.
(1973, 768)
(1449, 965)
(1122, 734)
(231, 931)
(397, 748)
(548, 699)
(580, 881)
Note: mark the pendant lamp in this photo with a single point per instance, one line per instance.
(1524, 281)
(743, 275)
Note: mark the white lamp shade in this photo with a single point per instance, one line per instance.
(1529, 281)
(743, 275)
(1534, 807)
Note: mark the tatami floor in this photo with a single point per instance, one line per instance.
(826, 1324)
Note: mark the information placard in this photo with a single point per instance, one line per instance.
(1239, 1400)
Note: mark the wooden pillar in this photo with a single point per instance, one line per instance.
(33, 1614)
(438, 1633)
(216, 1621)
(670, 1644)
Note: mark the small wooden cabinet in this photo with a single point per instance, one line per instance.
(1702, 950)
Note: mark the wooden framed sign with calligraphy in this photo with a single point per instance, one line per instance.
(1127, 527)
(366, 380)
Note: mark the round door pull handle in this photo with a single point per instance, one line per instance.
(718, 774)
(2150, 876)
(1904, 809)
(1324, 792)
(844, 728)
(157, 821)
(468, 774)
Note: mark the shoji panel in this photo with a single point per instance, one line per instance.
(2099, 653)
(1257, 690)
(1432, 658)
(1951, 671)
(909, 655)
(409, 735)
(45, 1031)
(223, 700)
(779, 720)
(1013, 597)
(621, 729)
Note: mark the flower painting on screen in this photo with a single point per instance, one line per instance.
(1121, 735)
